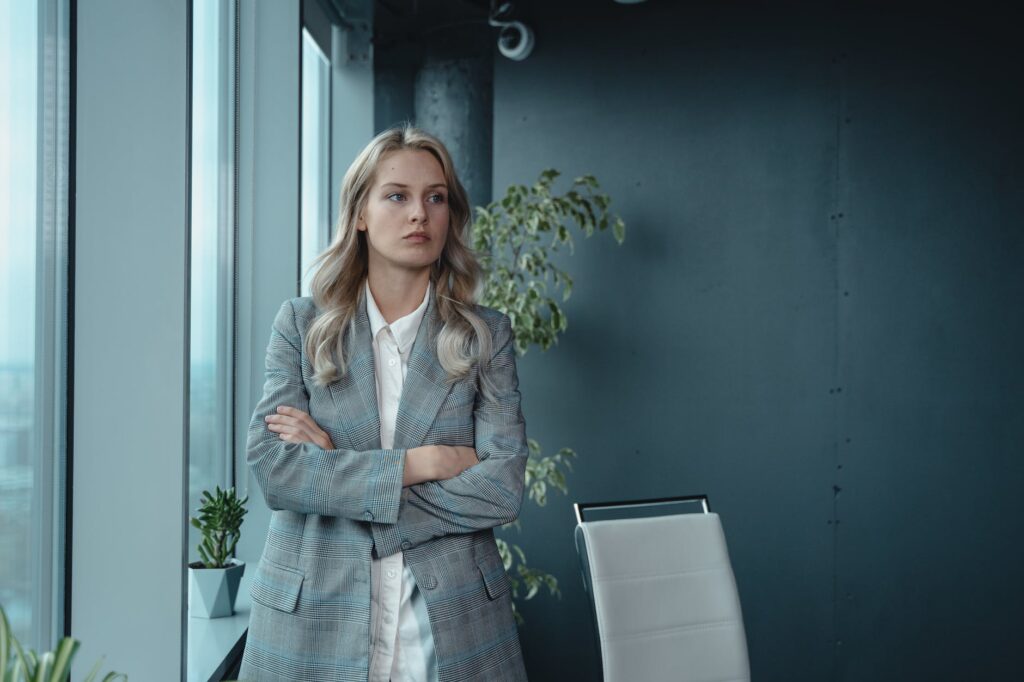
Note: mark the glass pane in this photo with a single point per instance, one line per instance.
(18, 97)
(33, 276)
(212, 219)
(315, 209)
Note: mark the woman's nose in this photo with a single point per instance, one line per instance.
(419, 213)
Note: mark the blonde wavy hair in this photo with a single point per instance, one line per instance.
(337, 285)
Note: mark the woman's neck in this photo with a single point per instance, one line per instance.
(398, 292)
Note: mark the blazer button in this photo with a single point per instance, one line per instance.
(368, 515)
(429, 582)
(406, 544)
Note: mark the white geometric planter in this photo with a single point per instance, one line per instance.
(212, 591)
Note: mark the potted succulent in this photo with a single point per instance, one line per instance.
(213, 582)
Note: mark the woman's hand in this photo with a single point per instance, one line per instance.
(437, 463)
(452, 460)
(295, 426)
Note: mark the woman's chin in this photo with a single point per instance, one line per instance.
(413, 264)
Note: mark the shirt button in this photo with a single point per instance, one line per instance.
(391, 573)
(391, 362)
(368, 515)
(406, 544)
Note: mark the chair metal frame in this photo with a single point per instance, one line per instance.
(580, 507)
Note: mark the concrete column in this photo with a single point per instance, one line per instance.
(454, 99)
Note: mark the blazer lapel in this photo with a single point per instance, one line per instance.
(355, 393)
(426, 384)
(425, 388)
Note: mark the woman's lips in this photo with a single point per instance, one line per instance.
(418, 238)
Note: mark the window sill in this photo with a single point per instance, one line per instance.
(214, 642)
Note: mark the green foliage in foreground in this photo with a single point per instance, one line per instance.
(20, 665)
(516, 239)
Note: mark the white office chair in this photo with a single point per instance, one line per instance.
(663, 594)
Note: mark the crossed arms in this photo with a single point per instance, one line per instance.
(367, 485)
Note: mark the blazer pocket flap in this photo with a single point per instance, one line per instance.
(277, 586)
(495, 578)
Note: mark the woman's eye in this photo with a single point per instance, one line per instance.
(433, 198)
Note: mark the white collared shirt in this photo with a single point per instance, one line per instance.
(401, 643)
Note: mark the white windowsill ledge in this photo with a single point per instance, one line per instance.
(213, 642)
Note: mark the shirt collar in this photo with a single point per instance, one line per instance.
(404, 328)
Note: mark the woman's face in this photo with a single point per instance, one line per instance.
(405, 215)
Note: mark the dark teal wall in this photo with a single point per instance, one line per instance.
(815, 318)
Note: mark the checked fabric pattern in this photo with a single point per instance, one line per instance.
(332, 509)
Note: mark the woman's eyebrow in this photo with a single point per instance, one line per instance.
(403, 186)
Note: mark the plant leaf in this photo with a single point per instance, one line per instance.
(95, 671)
(32, 662)
(43, 667)
(5, 629)
(62, 660)
(19, 658)
(619, 230)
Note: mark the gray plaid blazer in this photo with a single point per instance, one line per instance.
(310, 592)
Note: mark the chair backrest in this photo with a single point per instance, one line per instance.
(664, 599)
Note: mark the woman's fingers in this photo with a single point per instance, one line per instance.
(299, 419)
(299, 416)
(289, 429)
(299, 433)
(289, 425)
(294, 425)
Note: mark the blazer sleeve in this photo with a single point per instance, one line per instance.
(485, 495)
(303, 477)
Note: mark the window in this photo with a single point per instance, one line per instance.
(315, 182)
(211, 372)
(33, 312)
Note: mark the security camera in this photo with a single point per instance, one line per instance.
(515, 40)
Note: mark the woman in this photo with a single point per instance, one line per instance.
(389, 441)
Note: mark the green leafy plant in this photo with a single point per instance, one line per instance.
(20, 665)
(515, 239)
(220, 521)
